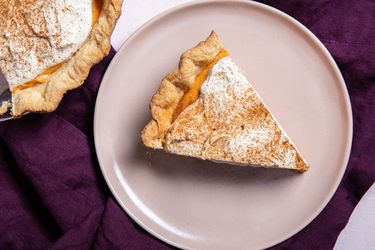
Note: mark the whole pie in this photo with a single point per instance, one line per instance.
(208, 109)
(48, 47)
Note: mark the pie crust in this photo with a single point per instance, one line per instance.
(174, 86)
(45, 97)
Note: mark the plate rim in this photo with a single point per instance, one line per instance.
(273, 11)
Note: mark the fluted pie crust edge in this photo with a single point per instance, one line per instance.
(174, 86)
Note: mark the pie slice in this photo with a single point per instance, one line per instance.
(48, 47)
(207, 109)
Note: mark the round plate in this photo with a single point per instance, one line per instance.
(197, 204)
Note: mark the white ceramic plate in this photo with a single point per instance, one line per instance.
(198, 204)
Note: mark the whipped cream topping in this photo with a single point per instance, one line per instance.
(36, 35)
(229, 96)
(224, 89)
(230, 123)
(251, 138)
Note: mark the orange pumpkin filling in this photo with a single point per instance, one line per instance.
(192, 95)
(96, 8)
(43, 77)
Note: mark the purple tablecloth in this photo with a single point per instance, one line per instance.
(53, 195)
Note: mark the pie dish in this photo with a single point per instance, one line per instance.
(49, 47)
(207, 109)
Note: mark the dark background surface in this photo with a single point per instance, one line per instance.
(53, 194)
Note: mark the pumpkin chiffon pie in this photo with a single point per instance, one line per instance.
(48, 47)
(208, 109)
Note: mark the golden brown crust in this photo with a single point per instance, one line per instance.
(173, 87)
(47, 96)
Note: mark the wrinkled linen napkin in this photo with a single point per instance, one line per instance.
(53, 194)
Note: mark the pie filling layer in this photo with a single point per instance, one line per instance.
(41, 78)
(56, 19)
(192, 95)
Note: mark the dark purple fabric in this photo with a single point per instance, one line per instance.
(52, 194)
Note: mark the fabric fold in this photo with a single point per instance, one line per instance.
(53, 194)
